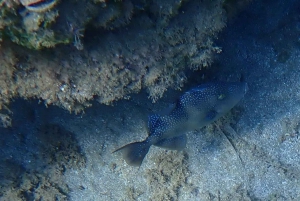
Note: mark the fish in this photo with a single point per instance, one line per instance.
(193, 110)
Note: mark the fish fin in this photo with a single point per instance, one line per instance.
(175, 143)
(211, 115)
(134, 153)
(152, 122)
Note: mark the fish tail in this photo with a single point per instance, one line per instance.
(134, 153)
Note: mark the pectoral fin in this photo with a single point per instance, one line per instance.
(211, 115)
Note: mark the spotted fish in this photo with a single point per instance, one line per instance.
(194, 109)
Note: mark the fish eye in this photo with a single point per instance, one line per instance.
(221, 96)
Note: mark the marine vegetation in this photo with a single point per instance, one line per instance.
(193, 110)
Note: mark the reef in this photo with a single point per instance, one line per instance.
(68, 53)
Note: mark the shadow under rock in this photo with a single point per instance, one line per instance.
(35, 152)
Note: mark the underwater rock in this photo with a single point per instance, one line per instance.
(124, 50)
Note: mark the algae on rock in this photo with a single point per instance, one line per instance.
(125, 47)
